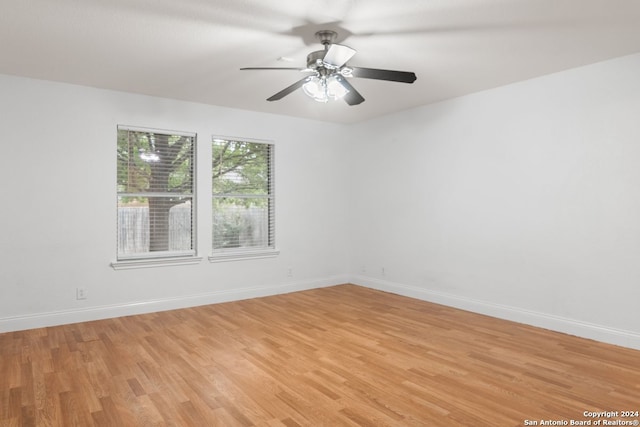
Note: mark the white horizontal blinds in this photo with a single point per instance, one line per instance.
(243, 195)
(155, 193)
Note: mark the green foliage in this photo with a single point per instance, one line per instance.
(153, 162)
(155, 171)
(235, 220)
(240, 168)
(241, 193)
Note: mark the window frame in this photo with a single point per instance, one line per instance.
(162, 258)
(237, 254)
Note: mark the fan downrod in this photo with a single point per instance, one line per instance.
(314, 59)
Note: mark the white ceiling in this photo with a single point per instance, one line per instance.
(193, 49)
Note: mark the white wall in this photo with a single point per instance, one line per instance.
(521, 202)
(57, 175)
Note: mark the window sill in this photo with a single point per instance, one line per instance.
(158, 262)
(242, 255)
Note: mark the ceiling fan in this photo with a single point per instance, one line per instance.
(329, 73)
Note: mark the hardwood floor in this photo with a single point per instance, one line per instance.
(339, 356)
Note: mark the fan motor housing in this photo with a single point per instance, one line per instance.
(314, 59)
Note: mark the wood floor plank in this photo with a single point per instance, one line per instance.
(336, 356)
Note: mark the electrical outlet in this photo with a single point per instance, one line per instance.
(290, 272)
(81, 293)
(383, 272)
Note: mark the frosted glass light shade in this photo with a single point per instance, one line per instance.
(322, 89)
(315, 89)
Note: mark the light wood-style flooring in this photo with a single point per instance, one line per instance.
(337, 356)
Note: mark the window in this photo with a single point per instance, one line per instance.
(243, 199)
(155, 179)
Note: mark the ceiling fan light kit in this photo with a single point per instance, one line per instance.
(329, 73)
(322, 89)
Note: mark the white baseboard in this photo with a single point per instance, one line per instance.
(547, 321)
(62, 317)
(556, 323)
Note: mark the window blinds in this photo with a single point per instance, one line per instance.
(243, 199)
(155, 179)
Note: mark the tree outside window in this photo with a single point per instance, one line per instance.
(243, 196)
(155, 176)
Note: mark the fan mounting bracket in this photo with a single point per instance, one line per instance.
(326, 37)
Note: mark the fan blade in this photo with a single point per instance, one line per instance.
(390, 75)
(338, 55)
(286, 91)
(273, 68)
(352, 97)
